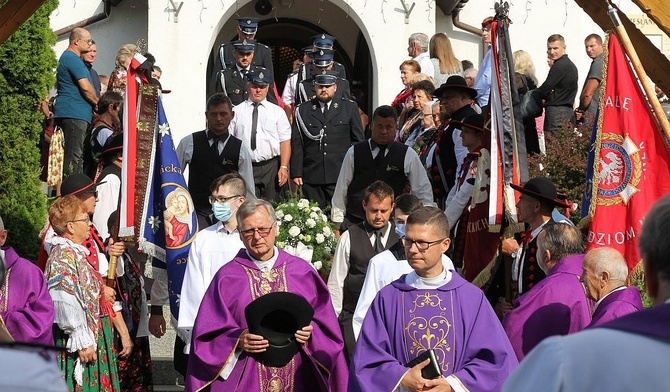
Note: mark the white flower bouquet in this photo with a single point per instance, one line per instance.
(305, 231)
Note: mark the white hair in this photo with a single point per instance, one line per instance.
(610, 260)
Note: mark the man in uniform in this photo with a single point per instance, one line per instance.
(322, 61)
(212, 153)
(264, 129)
(323, 131)
(380, 158)
(232, 80)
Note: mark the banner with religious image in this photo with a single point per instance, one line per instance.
(629, 164)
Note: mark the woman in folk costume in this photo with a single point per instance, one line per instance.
(82, 323)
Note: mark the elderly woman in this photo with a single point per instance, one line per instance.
(117, 80)
(89, 362)
(422, 93)
(408, 69)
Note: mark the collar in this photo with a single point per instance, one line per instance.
(371, 231)
(58, 240)
(211, 135)
(421, 56)
(414, 280)
(221, 228)
(267, 263)
(605, 296)
(250, 103)
(240, 69)
(373, 145)
(537, 230)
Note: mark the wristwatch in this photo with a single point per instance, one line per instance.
(284, 167)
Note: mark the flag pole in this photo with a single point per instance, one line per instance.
(639, 70)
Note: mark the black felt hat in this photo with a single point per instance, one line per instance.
(113, 144)
(276, 317)
(542, 189)
(77, 184)
(457, 83)
(473, 121)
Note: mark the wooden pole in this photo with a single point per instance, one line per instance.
(639, 70)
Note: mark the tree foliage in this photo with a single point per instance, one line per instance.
(27, 64)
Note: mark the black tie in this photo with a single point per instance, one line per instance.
(215, 142)
(325, 110)
(380, 154)
(254, 125)
(379, 247)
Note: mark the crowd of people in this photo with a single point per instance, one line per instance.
(398, 310)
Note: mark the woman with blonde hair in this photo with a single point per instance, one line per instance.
(117, 80)
(76, 288)
(526, 81)
(443, 58)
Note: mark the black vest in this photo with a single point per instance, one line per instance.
(359, 257)
(531, 273)
(391, 170)
(206, 166)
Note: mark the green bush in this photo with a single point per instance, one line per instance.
(27, 64)
(565, 163)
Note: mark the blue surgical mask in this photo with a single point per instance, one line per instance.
(222, 211)
(400, 229)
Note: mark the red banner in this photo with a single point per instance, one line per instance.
(631, 165)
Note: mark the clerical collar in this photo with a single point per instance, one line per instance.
(605, 296)
(414, 280)
(268, 264)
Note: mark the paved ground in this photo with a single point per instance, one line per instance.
(165, 377)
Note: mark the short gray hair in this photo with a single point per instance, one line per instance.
(654, 245)
(610, 260)
(421, 40)
(561, 239)
(250, 207)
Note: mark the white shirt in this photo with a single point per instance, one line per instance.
(517, 264)
(383, 269)
(459, 149)
(340, 267)
(288, 95)
(212, 248)
(272, 128)
(427, 67)
(185, 155)
(416, 174)
(108, 201)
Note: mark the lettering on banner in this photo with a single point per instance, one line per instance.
(609, 239)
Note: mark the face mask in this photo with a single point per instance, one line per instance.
(222, 211)
(400, 229)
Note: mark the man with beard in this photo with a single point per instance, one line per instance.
(323, 130)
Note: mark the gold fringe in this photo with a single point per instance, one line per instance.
(636, 275)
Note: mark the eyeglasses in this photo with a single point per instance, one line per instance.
(422, 246)
(262, 231)
(88, 41)
(221, 199)
(87, 220)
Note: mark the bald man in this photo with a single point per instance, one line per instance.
(604, 273)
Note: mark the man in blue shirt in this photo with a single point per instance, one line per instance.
(76, 99)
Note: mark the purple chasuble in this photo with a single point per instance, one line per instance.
(455, 320)
(616, 304)
(318, 366)
(26, 307)
(557, 305)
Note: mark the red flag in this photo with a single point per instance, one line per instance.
(631, 165)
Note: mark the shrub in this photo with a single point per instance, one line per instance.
(27, 64)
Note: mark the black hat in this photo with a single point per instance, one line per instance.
(276, 317)
(248, 25)
(244, 46)
(542, 189)
(113, 144)
(473, 121)
(323, 57)
(258, 77)
(323, 41)
(455, 82)
(325, 78)
(77, 184)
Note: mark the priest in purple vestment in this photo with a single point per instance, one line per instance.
(226, 357)
(604, 273)
(558, 304)
(430, 308)
(26, 308)
(626, 354)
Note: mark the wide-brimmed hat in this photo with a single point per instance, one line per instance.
(543, 189)
(113, 144)
(276, 317)
(76, 184)
(456, 83)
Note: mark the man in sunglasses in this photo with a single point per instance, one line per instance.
(430, 308)
(225, 356)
